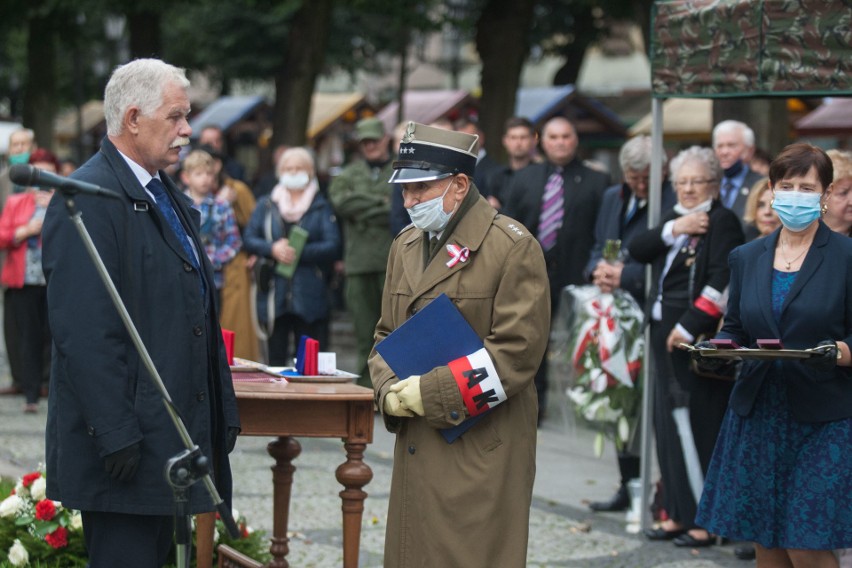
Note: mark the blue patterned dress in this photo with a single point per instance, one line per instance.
(776, 481)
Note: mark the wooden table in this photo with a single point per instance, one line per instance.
(317, 410)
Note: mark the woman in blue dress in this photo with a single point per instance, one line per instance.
(781, 473)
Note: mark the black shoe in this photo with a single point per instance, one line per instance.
(686, 540)
(619, 502)
(663, 534)
(745, 552)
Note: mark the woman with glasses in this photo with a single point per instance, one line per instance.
(781, 474)
(688, 252)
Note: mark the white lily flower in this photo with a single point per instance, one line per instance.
(18, 555)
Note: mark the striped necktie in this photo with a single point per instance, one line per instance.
(550, 220)
(164, 203)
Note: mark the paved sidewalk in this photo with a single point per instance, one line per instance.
(563, 531)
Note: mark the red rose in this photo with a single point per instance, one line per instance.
(28, 479)
(58, 538)
(45, 510)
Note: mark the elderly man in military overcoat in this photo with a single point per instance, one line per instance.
(465, 503)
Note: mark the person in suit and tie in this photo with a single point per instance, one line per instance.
(558, 200)
(623, 215)
(733, 142)
(781, 473)
(108, 434)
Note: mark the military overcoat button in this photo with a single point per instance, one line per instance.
(454, 415)
(411, 449)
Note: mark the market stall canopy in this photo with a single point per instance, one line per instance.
(327, 108)
(6, 130)
(427, 106)
(704, 48)
(66, 123)
(831, 118)
(539, 104)
(683, 119)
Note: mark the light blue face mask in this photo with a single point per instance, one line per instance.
(796, 209)
(430, 215)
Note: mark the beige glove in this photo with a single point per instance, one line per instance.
(409, 394)
(394, 407)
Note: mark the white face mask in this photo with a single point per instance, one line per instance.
(294, 181)
(430, 215)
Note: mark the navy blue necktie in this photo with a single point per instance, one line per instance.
(158, 190)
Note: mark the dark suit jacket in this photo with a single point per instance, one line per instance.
(750, 179)
(101, 397)
(486, 169)
(584, 188)
(610, 225)
(818, 307)
(711, 268)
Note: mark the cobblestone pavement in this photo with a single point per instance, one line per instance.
(563, 533)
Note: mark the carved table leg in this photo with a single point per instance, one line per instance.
(284, 450)
(353, 475)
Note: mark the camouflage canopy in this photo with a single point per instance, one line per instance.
(718, 48)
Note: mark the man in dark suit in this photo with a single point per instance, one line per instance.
(108, 434)
(733, 142)
(519, 142)
(558, 201)
(623, 215)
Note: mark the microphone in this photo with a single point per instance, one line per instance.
(28, 176)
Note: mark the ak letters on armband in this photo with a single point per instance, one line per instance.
(478, 382)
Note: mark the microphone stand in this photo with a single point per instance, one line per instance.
(187, 467)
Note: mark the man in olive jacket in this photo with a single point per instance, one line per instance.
(108, 434)
(466, 503)
(361, 198)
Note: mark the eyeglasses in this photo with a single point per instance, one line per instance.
(682, 183)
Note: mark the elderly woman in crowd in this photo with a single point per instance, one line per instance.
(688, 252)
(759, 216)
(838, 213)
(25, 298)
(781, 474)
(289, 307)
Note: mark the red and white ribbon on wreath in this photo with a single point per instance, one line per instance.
(458, 254)
(601, 329)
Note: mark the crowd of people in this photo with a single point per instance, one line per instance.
(739, 254)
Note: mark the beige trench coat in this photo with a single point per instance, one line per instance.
(467, 504)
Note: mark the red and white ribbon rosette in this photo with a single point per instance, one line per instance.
(457, 254)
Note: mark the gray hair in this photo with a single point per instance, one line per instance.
(138, 83)
(301, 154)
(735, 126)
(635, 155)
(697, 154)
(28, 132)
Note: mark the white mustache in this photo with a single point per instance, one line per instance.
(182, 141)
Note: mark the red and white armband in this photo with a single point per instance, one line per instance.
(478, 382)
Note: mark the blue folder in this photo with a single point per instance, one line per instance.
(434, 336)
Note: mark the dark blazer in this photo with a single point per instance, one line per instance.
(610, 225)
(818, 307)
(306, 294)
(584, 188)
(101, 397)
(750, 179)
(486, 169)
(710, 252)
